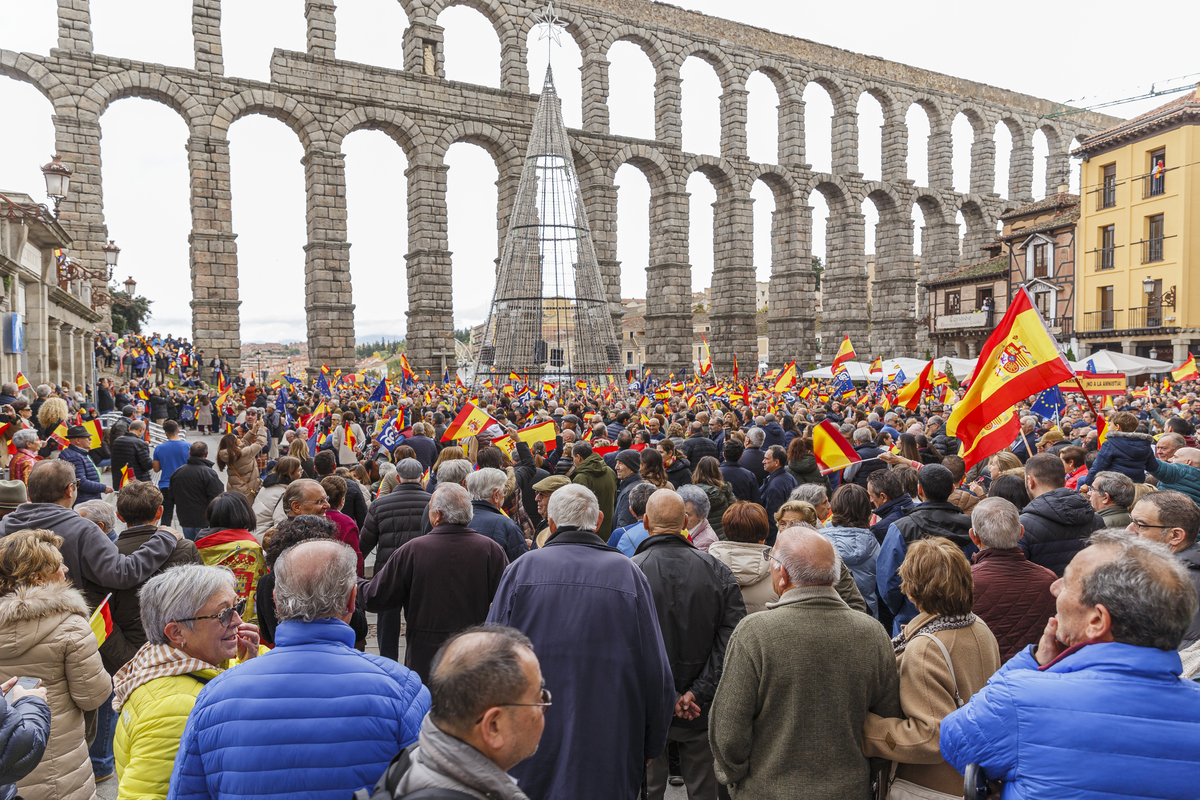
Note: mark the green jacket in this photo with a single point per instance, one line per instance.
(593, 473)
(799, 680)
(1178, 478)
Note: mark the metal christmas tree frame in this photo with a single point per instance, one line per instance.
(549, 317)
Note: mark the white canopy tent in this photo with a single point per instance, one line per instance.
(1113, 361)
(962, 368)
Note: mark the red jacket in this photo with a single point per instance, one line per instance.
(1074, 478)
(1012, 595)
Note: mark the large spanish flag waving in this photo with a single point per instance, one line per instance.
(995, 436)
(1017, 361)
(845, 353)
(786, 379)
(1187, 371)
(470, 421)
(832, 450)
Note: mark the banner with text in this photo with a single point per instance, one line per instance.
(1107, 383)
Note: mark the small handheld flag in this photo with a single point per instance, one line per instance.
(23, 383)
(102, 621)
(831, 449)
(845, 353)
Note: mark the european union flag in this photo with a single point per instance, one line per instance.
(1049, 403)
(323, 385)
(899, 380)
(1091, 365)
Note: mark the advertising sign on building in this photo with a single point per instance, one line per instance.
(14, 333)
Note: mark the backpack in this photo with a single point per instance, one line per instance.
(385, 787)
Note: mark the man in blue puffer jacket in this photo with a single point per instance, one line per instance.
(76, 453)
(314, 718)
(1097, 709)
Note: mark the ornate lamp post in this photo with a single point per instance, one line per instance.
(58, 182)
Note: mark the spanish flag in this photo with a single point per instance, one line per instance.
(844, 353)
(832, 450)
(1186, 372)
(876, 365)
(126, 475)
(995, 436)
(705, 357)
(470, 421)
(542, 432)
(23, 383)
(59, 435)
(581, 384)
(348, 437)
(101, 621)
(1101, 429)
(910, 395)
(1142, 392)
(514, 377)
(735, 368)
(406, 372)
(1017, 361)
(786, 379)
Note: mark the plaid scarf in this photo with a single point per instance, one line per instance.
(943, 623)
(151, 662)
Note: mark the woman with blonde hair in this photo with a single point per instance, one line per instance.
(239, 456)
(52, 414)
(298, 450)
(45, 634)
(944, 655)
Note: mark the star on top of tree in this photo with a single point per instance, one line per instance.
(554, 25)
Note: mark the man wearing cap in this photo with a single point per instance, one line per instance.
(76, 453)
(12, 494)
(545, 488)
(628, 466)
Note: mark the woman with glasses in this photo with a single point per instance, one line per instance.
(194, 629)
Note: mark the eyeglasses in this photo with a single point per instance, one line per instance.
(768, 556)
(224, 616)
(1142, 525)
(546, 703)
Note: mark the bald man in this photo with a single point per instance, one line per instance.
(698, 603)
(1181, 473)
(799, 681)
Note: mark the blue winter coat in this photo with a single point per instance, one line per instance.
(741, 481)
(1108, 721)
(775, 492)
(1177, 478)
(90, 487)
(1130, 454)
(590, 613)
(24, 730)
(859, 551)
(314, 719)
(773, 433)
(888, 513)
(490, 522)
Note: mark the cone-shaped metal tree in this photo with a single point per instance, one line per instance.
(549, 316)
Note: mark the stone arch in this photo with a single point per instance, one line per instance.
(932, 107)
(577, 28)
(980, 228)
(719, 171)
(494, 10)
(650, 162)
(777, 178)
(21, 67)
(654, 49)
(843, 97)
(835, 191)
(395, 124)
(588, 166)
(715, 58)
(892, 293)
(276, 105)
(147, 85)
(887, 101)
(785, 84)
(492, 139)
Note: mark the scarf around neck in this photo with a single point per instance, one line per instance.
(947, 622)
(151, 662)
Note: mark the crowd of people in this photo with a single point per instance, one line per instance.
(665, 584)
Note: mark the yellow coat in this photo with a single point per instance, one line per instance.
(149, 731)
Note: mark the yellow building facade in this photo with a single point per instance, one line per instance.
(1138, 250)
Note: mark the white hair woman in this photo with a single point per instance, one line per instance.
(194, 631)
(695, 509)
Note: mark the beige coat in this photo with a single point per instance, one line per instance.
(753, 572)
(44, 633)
(243, 471)
(927, 696)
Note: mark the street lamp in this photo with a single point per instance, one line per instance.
(111, 254)
(58, 180)
(130, 286)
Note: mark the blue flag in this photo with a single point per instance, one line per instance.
(1049, 403)
(323, 385)
(899, 380)
(377, 396)
(1091, 365)
(842, 385)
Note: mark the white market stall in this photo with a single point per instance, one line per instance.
(962, 368)
(1113, 361)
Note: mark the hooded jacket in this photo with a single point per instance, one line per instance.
(859, 551)
(90, 556)
(680, 471)
(24, 730)
(888, 513)
(698, 603)
(1057, 525)
(1178, 478)
(44, 633)
(1130, 454)
(1012, 595)
(806, 470)
(194, 486)
(593, 473)
(718, 501)
(751, 571)
(922, 521)
(243, 470)
(1066, 731)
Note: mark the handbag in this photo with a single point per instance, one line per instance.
(901, 789)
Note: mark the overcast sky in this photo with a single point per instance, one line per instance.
(1054, 50)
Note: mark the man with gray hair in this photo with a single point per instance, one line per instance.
(393, 520)
(1058, 720)
(1111, 495)
(312, 718)
(441, 582)
(489, 709)
(589, 612)
(798, 682)
(752, 456)
(1012, 594)
(486, 487)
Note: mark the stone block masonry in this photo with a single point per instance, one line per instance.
(323, 99)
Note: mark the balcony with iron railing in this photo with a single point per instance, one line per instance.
(1145, 317)
(1106, 196)
(1155, 184)
(1108, 319)
(1152, 249)
(1105, 257)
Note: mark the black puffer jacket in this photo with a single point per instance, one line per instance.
(1057, 525)
(24, 729)
(946, 445)
(131, 450)
(698, 603)
(936, 519)
(392, 520)
(680, 472)
(698, 446)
